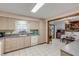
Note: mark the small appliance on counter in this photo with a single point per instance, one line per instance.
(2, 34)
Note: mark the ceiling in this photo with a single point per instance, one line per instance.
(48, 10)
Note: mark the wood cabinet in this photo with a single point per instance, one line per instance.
(7, 23)
(1, 46)
(20, 42)
(11, 24)
(15, 43)
(10, 44)
(3, 23)
(27, 41)
(33, 24)
(41, 26)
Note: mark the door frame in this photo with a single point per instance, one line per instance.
(48, 32)
(53, 29)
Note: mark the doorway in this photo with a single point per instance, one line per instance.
(51, 32)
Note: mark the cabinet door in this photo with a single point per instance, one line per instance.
(10, 44)
(27, 42)
(34, 25)
(1, 46)
(3, 23)
(7, 23)
(11, 24)
(14, 43)
(20, 42)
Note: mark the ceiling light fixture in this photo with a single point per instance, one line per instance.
(37, 7)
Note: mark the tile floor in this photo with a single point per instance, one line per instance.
(52, 49)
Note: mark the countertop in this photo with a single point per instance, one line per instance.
(16, 35)
(13, 36)
(72, 48)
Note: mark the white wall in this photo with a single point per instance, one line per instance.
(59, 24)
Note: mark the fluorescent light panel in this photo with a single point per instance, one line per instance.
(37, 7)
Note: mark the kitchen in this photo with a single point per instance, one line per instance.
(23, 28)
(19, 34)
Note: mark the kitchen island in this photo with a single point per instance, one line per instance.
(71, 49)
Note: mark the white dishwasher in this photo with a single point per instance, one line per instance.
(34, 40)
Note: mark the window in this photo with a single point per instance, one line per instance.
(21, 26)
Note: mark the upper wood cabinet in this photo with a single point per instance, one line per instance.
(3, 23)
(33, 24)
(11, 24)
(7, 23)
(27, 41)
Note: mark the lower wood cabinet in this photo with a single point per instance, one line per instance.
(15, 43)
(20, 42)
(11, 44)
(1, 46)
(27, 41)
